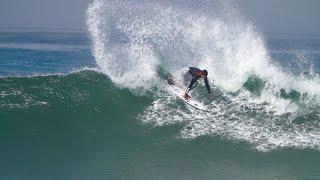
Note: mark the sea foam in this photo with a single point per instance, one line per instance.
(132, 39)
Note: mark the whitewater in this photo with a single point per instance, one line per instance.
(254, 99)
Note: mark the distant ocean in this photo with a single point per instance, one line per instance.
(95, 105)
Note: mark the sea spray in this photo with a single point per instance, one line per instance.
(132, 39)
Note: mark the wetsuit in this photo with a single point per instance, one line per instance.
(196, 74)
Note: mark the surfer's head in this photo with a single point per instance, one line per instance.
(204, 73)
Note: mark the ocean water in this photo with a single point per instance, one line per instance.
(95, 105)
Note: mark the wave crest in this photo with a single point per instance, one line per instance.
(131, 40)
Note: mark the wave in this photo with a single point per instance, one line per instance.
(132, 40)
(45, 93)
(73, 71)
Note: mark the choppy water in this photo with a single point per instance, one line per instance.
(95, 105)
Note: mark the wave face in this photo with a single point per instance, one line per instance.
(55, 93)
(255, 99)
(83, 121)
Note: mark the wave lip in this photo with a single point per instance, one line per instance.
(132, 40)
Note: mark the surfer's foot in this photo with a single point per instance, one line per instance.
(186, 96)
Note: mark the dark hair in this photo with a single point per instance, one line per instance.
(205, 72)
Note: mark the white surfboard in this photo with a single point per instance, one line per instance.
(179, 92)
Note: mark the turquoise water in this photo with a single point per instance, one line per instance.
(80, 126)
(95, 105)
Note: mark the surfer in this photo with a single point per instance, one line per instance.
(196, 74)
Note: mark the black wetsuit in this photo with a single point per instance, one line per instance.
(196, 74)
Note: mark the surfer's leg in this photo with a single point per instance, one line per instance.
(194, 85)
(187, 77)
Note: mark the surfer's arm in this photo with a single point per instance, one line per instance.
(207, 85)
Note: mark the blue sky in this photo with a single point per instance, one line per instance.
(58, 14)
(293, 16)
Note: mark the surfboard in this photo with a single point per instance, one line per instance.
(179, 92)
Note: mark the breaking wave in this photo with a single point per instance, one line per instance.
(253, 100)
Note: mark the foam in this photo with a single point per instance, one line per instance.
(130, 40)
